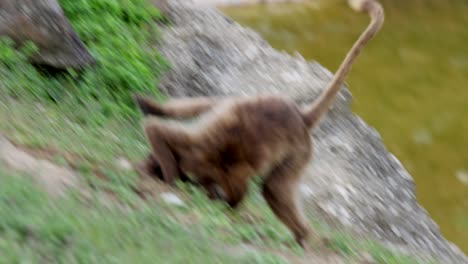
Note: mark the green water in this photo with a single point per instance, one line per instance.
(411, 84)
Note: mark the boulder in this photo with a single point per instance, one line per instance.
(44, 23)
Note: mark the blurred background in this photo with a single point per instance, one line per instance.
(411, 84)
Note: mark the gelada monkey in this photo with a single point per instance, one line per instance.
(237, 138)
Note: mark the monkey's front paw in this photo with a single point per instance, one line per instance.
(215, 192)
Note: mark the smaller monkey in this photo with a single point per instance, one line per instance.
(237, 138)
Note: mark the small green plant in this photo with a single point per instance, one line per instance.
(385, 256)
(19, 77)
(120, 34)
(343, 244)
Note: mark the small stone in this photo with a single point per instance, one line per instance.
(368, 259)
(171, 198)
(123, 163)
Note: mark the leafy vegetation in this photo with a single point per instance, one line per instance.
(120, 36)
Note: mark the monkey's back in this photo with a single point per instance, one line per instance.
(255, 132)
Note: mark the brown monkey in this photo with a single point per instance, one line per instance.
(236, 138)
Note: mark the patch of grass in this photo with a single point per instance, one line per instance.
(385, 256)
(41, 125)
(37, 229)
(353, 247)
(346, 245)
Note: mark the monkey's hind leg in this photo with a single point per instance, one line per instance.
(163, 137)
(280, 190)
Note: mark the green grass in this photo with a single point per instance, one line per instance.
(37, 229)
(348, 245)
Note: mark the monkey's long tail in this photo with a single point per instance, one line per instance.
(312, 115)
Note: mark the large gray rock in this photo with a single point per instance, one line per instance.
(353, 179)
(44, 23)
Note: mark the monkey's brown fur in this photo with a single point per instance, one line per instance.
(235, 139)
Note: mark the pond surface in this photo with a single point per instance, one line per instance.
(411, 84)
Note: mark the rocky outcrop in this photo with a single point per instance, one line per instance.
(353, 179)
(44, 23)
